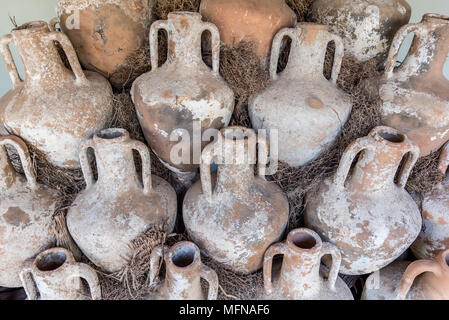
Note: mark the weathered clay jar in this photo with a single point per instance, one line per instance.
(434, 236)
(366, 212)
(307, 109)
(183, 273)
(249, 20)
(184, 93)
(418, 280)
(53, 109)
(300, 277)
(367, 26)
(118, 207)
(55, 275)
(415, 96)
(108, 35)
(26, 210)
(235, 216)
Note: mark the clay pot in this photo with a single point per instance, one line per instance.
(300, 276)
(26, 210)
(55, 275)
(53, 109)
(184, 93)
(110, 36)
(235, 216)
(118, 207)
(307, 109)
(367, 26)
(434, 236)
(249, 20)
(415, 96)
(418, 280)
(183, 273)
(366, 212)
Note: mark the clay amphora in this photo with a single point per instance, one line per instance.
(108, 35)
(53, 109)
(367, 26)
(434, 236)
(183, 273)
(300, 277)
(26, 210)
(118, 207)
(55, 275)
(234, 216)
(418, 280)
(366, 212)
(307, 109)
(416, 95)
(182, 93)
(249, 20)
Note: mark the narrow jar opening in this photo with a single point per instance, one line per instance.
(303, 241)
(51, 261)
(32, 25)
(110, 134)
(392, 136)
(184, 256)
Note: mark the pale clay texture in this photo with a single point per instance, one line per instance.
(367, 26)
(184, 271)
(434, 236)
(307, 109)
(55, 275)
(53, 109)
(369, 217)
(26, 210)
(183, 90)
(300, 276)
(118, 207)
(415, 96)
(235, 216)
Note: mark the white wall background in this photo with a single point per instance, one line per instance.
(29, 10)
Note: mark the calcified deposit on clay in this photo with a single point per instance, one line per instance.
(99, 39)
(117, 208)
(235, 216)
(184, 90)
(367, 213)
(367, 27)
(305, 108)
(416, 95)
(184, 271)
(26, 210)
(55, 275)
(75, 104)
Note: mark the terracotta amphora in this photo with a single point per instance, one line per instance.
(434, 236)
(366, 212)
(184, 94)
(234, 216)
(53, 109)
(183, 273)
(306, 109)
(404, 280)
(26, 210)
(257, 21)
(367, 26)
(415, 96)
(55, 275)
(120, 205)
(300, 277)
(108, 35)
